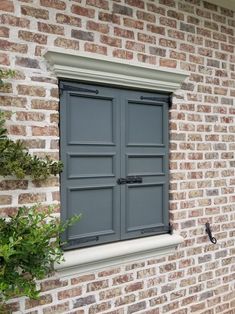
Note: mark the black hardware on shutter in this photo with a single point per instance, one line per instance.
(158, 229)
(64, 87)
(168, 100)
(77, 242)
(130, 180)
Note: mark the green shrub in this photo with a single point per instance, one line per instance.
(27, 251)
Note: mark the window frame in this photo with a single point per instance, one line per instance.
(89, 68)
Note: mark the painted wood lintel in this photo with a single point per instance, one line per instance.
(109, 71)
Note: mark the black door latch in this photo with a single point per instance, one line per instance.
(129, 180)
(208, 231)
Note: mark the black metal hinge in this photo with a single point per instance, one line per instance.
(170, 228)
(77, 242)
(67, 87)
(160, 99)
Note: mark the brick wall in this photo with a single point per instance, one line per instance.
(190, 35)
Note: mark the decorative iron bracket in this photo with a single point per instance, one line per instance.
(208, 231)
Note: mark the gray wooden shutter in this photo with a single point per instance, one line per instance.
(145, 155)
(90, 151)
(106, 134)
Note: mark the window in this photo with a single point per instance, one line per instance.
(114, 145)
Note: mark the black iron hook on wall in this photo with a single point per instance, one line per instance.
(208, 231)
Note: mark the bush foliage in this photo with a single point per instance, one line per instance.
(27, 252)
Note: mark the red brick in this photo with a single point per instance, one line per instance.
(59, 308)
(31, 90)
(35, 12)
(82, 35)
(6, 5)
(26, 198)
(168, 22)
(123, 54)
(45, 299)
(102, 4)
(156, 9)
(146, 38)
(146, 58)
(56, 4)
(110, 293)
(170, 3)
(45, 131)
(135, 46)
(99, 308)
(97, 285)
(90, 47)
(98, 27)
(125, 300)
(132, 23)
(134, 287)
(70, 293)
(29, 116)
(146, 16)
(27, 62)
(111, 41)
(4, 59)
(83, 11)
(82, 278)
(135, 3)
(168, 63)
(121, 9)
(14, 21)
(13, 47)
(4, 32)
(136, 307)
(107, 17)
(50, 28)
(156, 29)
(5, 199)
(67, 19)
(17, 130)
(66, 43)
(122, 279)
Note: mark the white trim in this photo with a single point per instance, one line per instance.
(102, 256)
(94, 69)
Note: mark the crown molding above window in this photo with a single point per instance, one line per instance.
(105, 70)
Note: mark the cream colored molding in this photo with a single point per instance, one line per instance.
(102, 256)
(105, 70)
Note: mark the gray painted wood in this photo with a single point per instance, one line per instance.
(105, 135)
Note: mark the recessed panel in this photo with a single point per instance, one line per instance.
(88, 166)
(144, 124)
(96, 206)
(144, 206)
(145, 165)
(90, 120)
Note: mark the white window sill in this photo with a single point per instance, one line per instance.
(102, 256)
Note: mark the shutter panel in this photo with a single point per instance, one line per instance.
(109, 134)
(145, 154)
(90, 153)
